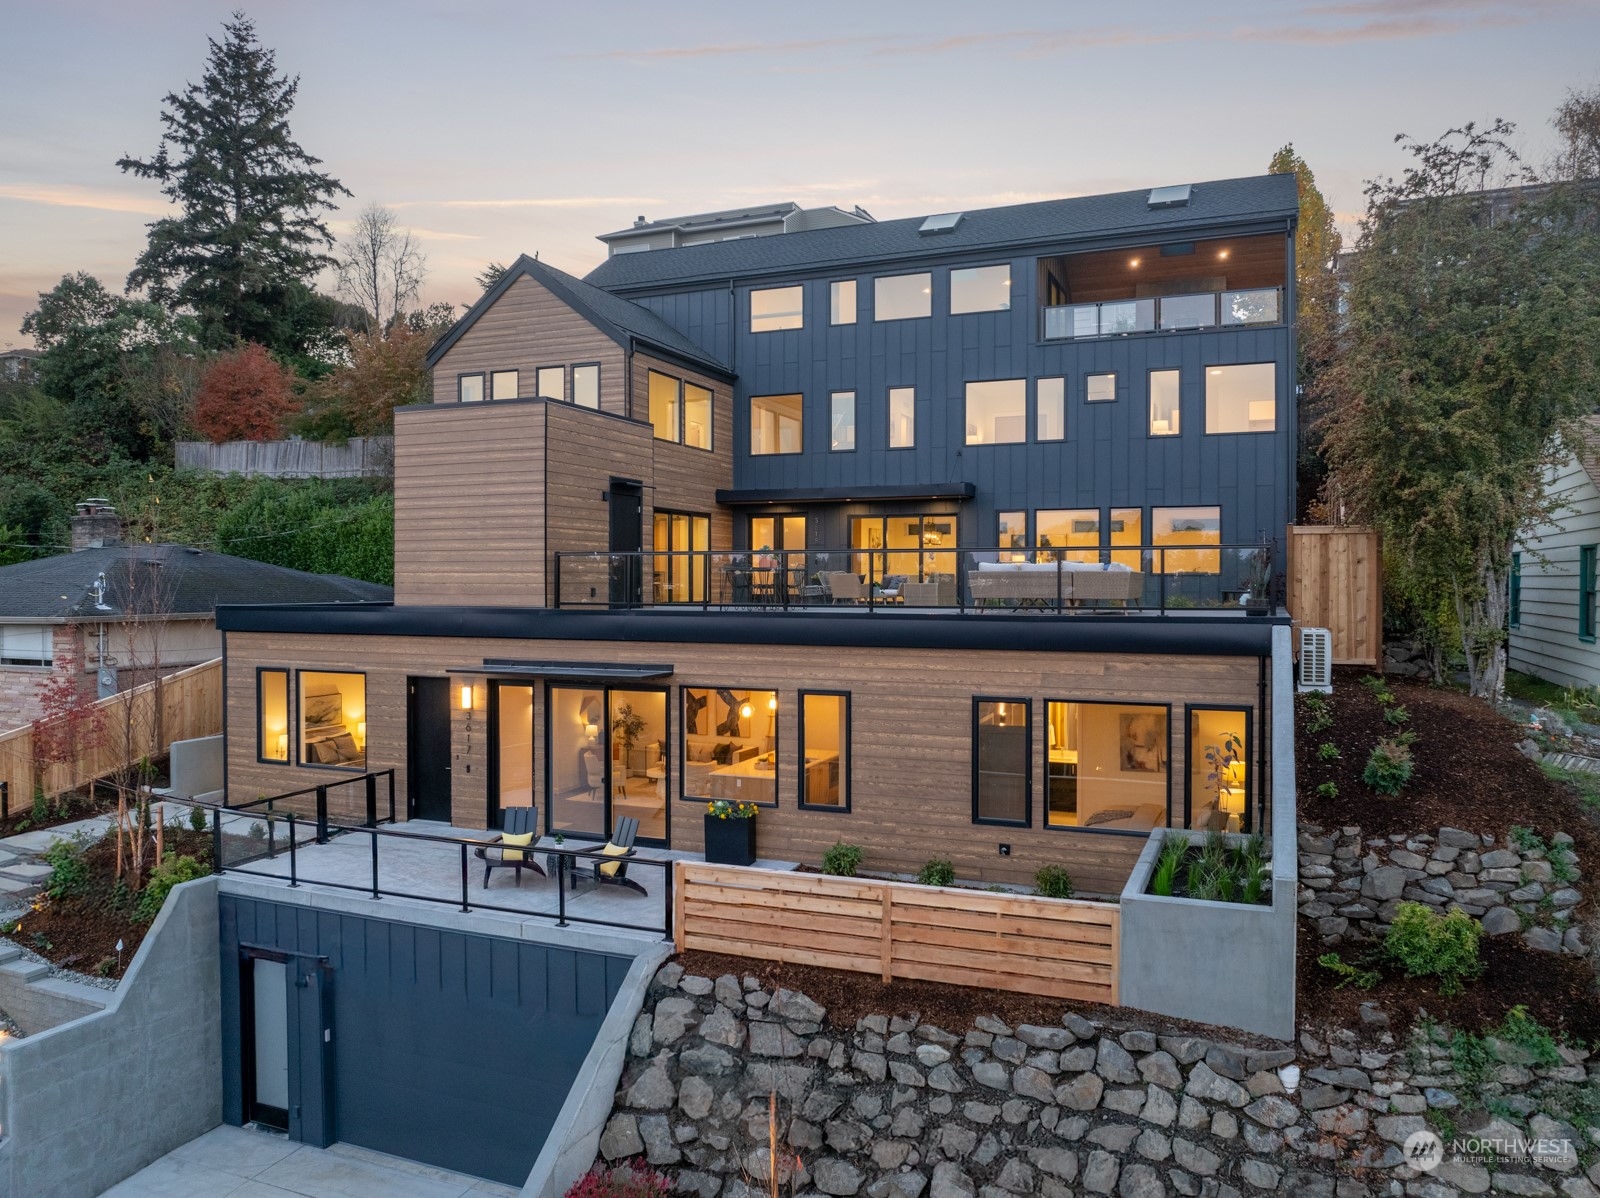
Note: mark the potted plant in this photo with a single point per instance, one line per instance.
(1258, 583)
(730, 833)
(552, 861)
(626, 725)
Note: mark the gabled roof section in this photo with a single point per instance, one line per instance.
(863, 246)
(622, 320)
(170, 580)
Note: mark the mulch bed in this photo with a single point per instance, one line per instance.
(848, 996)
(82, 803)
(1468, 774)
(81, 932)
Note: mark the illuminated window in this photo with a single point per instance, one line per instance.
(665, 410)
(1106, 766)
(586, 385)
(730, 744)
(333, 719)
(1186, 526)
(902, 297)
(1242, 399)
(997, 412)
(777, 308)
(1073, 528)
(272, 715)
(902, 417)
(1164, 410)
(1001, 790)
(1013, 536)
(980, 289)
(774, 424)
(503, 384)
(1219, 769)
(1127, 528)
(1050, 422)
(825, 735)
(680, 411)
(552, 382)
(469, 388)
(842, 421)
(842, 302)
(696, 416)
(1100, 388)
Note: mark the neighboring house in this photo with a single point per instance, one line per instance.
(950, 536)
(728, 225)
(125, 613)
(18, 364)
(1551, 608)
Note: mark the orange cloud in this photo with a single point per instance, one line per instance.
(68, 195)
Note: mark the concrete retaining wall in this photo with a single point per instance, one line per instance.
(37, 1001)
(1223, 963)
(88, 1103)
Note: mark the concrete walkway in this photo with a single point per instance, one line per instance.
(246, 1163)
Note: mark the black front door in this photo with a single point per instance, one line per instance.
(428, 749)
(626, 501)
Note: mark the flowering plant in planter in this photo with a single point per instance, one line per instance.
(728, 809)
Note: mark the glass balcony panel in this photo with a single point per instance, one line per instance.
(1189, 311)
(1256, 306)
(1128, 316)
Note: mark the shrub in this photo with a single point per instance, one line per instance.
(1053, 881)
(69, 872)
(1173, 850)
(172, 870)
(1328, 751)
(1395, 715)
(244, 396)
(938, 872)
(1350, 975)
(842, 860)
(1523, 1030)
(1388, 766)
(1427, 944)
(197, 818)
(1327, 790)
(1320, 722)
(629, 1180)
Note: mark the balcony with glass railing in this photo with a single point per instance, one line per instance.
(1164, 314)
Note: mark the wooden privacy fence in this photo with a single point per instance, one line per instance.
(131, 726)
(1061, 948)
(1336, 582)
(357, 458)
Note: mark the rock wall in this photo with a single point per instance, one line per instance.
(898, 1108)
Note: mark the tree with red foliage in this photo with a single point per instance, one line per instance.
(244, 396)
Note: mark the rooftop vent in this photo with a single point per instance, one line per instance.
(1176, 196)
(941, 224)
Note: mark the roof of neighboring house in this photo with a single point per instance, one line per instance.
(1129, 213)
(621, 320)
(700, 220)
(163, 579)
(20, 353)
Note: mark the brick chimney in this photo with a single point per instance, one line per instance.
(95, 524)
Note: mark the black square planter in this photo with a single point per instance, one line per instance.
(730, 841)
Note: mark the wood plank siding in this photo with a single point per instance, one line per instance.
(911, 735)
(526, 328)
(1544, 640)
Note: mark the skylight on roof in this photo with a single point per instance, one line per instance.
(1175, 196)
(942, 223)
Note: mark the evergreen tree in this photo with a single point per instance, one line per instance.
(250, 233)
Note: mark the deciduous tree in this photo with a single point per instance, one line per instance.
(244, 396)
(249, 228)
(1472, 347)
(381, 268)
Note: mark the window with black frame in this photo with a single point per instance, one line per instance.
(1001, 778)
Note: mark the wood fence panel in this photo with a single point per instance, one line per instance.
(359, 457)
(131, 727)
(1063, 948)
(1336, 582)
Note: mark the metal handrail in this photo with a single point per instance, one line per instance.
(565, 856)
(1147, 313)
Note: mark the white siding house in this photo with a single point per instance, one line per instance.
(1553, 612)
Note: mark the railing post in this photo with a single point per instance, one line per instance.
(669, 871)
(322, 815)
(465, 905)
(562, 869)
(556, 579)
(5, 800)
(1058, 585)
(294, 878)
(216, 841)
(1158, 561)
(374, 835)
(391, 796)
(372, 800)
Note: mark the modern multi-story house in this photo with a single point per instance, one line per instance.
(951, 536)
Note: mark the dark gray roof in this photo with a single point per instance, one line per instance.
(175, 579)
(1219, 202)
(699, 220)
(620, 319)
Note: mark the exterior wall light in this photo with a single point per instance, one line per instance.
(466, 696)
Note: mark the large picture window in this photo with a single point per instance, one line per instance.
(980, 289)
(825, 735)
(272, 716)
(997, 412)
(1106, 766)
(730, 744)
(1218, 755)
(902, 297)
(1070, 528)
(1187, 526)
(1164, 406)
(333, 719)
(1001, 790)
(776, 308)
(1242, 399)
(774, 424)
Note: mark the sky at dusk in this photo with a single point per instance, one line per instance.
(498, 128)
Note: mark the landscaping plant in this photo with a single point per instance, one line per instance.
(842, 860)
(938, 872)
(1173, 851)
(1350, 975)
(1053, 881)
(1388, 765)
(1328, 751)
(172, 870)
(1427, 944)
(632, 1179)
(69, 872)
(1327, 790)
(1395, 715)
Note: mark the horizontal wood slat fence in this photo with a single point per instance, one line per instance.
(190, 705)
(360, 457)
(1336, 582)
(1061, 948)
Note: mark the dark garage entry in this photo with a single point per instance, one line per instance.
(440, 1046)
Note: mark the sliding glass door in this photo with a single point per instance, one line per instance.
(607, 759)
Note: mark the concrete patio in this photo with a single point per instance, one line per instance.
(411, 865)
(247, 1163)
